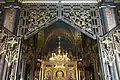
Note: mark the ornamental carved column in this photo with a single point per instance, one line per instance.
(107, 43)
(10, 47)
(109, 49)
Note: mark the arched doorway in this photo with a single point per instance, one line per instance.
(80, 51)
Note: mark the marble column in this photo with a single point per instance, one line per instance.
(102, 62)
(2, 61)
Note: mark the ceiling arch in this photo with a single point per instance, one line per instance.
(60, 32)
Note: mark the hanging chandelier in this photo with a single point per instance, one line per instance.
(59, 58)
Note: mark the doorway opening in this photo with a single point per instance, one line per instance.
(62, 53)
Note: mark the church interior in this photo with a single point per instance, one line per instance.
(59, 40)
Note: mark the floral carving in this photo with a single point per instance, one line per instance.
(86, 17)
(33, 18)
(80, 18)
(38, 18)
(8, 46)
(110, 46)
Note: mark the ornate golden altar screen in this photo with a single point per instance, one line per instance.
(59, 67)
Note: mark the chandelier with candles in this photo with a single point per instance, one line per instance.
(59, 58)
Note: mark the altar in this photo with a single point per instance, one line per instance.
(59, 67)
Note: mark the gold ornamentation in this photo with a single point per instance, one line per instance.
(59, 59)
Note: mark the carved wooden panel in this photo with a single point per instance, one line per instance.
(36, 16)
(9, 46)
(84, 17)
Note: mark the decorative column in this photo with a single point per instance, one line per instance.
(117, 50)
(18, 59)
(107, 42)
(9, 46)
(108, 51)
